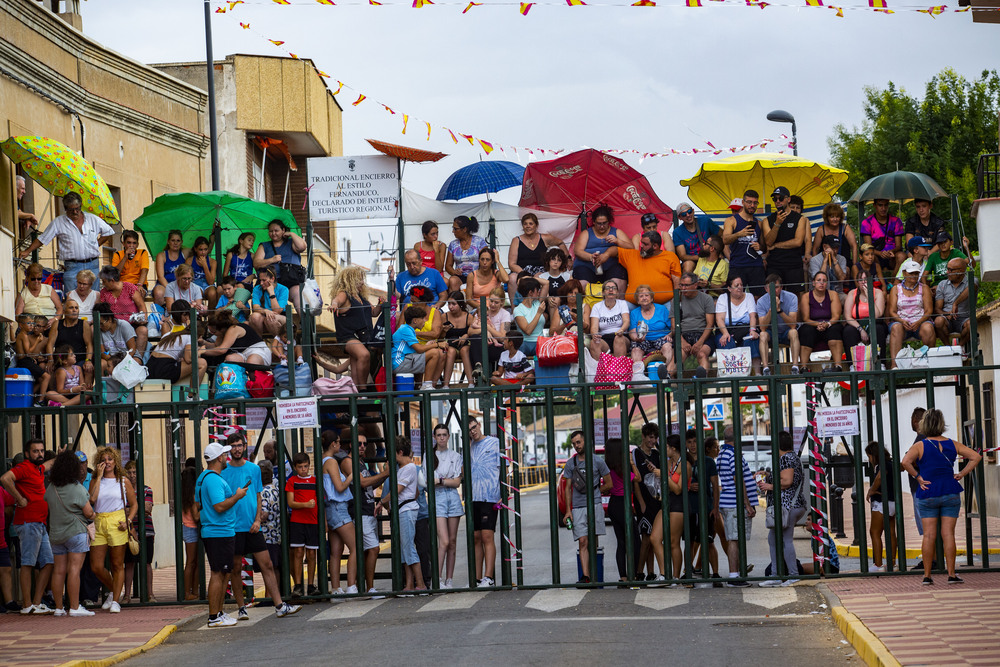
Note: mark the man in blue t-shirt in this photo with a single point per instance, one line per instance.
(419, 278)
(787, 313)
(690, 235)
(215, 500)
(249, 541)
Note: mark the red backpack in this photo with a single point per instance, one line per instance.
(260, 384)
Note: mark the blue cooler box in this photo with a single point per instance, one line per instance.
(552, 375)
(20, 385)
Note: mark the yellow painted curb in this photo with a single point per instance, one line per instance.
(533, 487)
(851, 551)
(869, 647)
(157, 639)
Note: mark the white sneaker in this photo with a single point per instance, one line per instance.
(486, 582)
(373, 592)
(59, 612)
(351, 590)
(427, 385)
(80, 611)
(770, 583)
(659, 580)
(27, 610)
(221, 621)
(115, 608)
(876, 568)
(789, 582)
(41, 610)
(337, 591)
(446, 584)
(108, 601)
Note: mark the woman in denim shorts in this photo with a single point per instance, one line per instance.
(189, 532)
(939, 495)
(448, 505)
(337, 487)
(69, 514)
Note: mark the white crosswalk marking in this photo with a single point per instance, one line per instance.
(770, 598)
(453, 601)
(555, 599)
(257, 614)
(659, 599)
(349, 609)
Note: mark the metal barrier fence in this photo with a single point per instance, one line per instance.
(391, 413)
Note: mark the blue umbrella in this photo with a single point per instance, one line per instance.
(481, 177)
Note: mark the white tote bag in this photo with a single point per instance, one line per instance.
(312, 298)
(129, 372)
(734, 362)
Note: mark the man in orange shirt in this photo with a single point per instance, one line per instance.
(653, 266)
(132, 261)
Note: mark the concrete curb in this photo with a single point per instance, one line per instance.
(852, 551)
(869, 647)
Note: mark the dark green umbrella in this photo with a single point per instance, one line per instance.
(197, 213)
(900, 186)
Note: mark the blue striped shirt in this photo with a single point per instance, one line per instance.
(726, 462)
(486, 470)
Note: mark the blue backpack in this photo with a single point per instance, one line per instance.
(303, 380)
(230, 382)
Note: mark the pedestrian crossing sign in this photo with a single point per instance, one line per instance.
(714, 412)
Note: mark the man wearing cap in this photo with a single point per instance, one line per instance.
(239, 473)
(886, 234)
(216, 500)
(918, 249)
(743, 235)
(652, 266)
(924, 222)
(911, 311)
(690, 235)
(833, 263)
(952, 303)
(649, 223)
(936, 269)
(785, 235)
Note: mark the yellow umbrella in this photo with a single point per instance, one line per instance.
(719, 182)
(60, 170)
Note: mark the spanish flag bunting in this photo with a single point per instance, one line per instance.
(428, 130)
(469, 138)
(233, 3)
(417, 4)
(374, 3)
(245, 26)
(220, 10)
(525, 8)
(644, 3)
(576, 3)
(281, 2)
(406, 121)
(840, 11)
(361, 98)
(933, 11)
(487, 146)
(340, 87)
(388, 109)
(814, 3)
(694, 3)
(276, 42)
(326, 2)
(880, 6)
(293, 55)
(453, 137)
(471, 5)
(323, 74)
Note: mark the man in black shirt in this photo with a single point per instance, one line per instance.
(924, 222)
(785, 234)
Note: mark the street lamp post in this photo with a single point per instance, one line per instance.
(779, 116)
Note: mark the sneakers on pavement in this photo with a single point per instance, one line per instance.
(351, 590)
(336, 591)
(737, 584)
(956, 580)
(447, 584)
(297, 591)
(790, 582)
(42, 610)
(108, 601)
(27, 610)
(59, 612)
(314, 590)
(80, 611)
(766, 370)
(221, 621)
(373, 592)
(486, 582)
(770, 583)
(286, 609)
(115, 608)
(928, 581)
(242, 614)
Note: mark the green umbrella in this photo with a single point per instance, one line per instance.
(197, 213)
(900, 186)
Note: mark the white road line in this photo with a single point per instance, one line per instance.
(555, 599)
(770, 598)
(349, 609)
(662, 599)
(257, 614)
(481, 627)
(453, 601)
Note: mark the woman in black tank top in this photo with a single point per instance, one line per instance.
(76, 333)
(527, 251)
(233, 340)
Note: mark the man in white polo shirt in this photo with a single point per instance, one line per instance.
(80, 238)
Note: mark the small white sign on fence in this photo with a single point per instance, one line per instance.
(297, 413)
(841, 420)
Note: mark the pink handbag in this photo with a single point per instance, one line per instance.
(613, 369)
(332, 386)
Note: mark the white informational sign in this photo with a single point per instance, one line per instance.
(297, 413)
(256, 416)
(415, 442)
(714, 411)
(841, 420)
(614, 430)
(353, 188)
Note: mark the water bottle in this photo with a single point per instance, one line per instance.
(642, 329)
(565, 314)
(569, 523)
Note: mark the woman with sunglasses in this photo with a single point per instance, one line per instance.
(463, 253)
(36, 298)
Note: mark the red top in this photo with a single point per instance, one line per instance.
(304, 490)
(30, 482)
(5, 500)
(124, 305)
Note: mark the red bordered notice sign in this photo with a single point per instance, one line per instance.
(297, 413)
(841, 420)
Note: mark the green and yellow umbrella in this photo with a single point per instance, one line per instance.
(60, 170)
(718, 182)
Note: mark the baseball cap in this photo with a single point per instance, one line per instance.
(918, 241)
(736, 204)
(831, 240)
(81, 456)
(909, 266)
(780, 191)
(683, 208)
(942, 236)
(214, 450)
(648, 218)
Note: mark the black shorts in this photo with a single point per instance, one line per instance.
(647, 518)
(753, 277)
(220, 554)
(303, 535)
(4, 556)
(249, 543)
(164, 368)
(695, 520)
(692, 337)
(792, 276)
(810, 336)
(29, 364)
(587, 273)
(129, 558)
(484, 516)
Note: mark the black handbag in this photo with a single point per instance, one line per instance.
(739, 331)
(289, 275)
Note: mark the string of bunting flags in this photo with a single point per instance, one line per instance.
(878, 6)
(779, 145)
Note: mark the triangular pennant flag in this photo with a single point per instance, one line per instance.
(361, 98)
(233, 3)
(389, 110)
(814, 3)
(406, 121)
(428, 130)
(323, 74)
(471, 5)
(245, 26)
(840, 11)
(469, 138)
(281, 2)
(487, 146)
(220, 10)
(276, 42)
(293, 55)
(644, 3)
(694, 3)
(418, 4)
(526, 7)
(374, 3)
(576, 3)
(880, 6)
(340, 87)
(934, 11)
(326, 2)
(453, 137)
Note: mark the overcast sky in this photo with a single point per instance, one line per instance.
(565, 77)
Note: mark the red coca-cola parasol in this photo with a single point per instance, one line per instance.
(581, 181)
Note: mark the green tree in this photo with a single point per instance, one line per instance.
(941, 135)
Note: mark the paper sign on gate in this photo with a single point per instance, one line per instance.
(256, 416)
(841, 420)
(297, 413)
